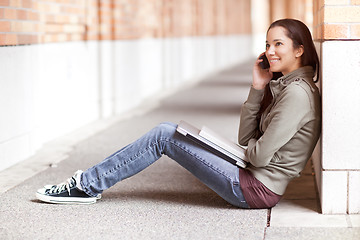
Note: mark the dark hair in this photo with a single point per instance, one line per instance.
(299, 33)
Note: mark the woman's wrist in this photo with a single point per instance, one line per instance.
(258, 86)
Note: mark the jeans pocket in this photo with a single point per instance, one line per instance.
(239, 195)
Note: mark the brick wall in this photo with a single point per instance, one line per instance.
(28, 22)
(44, 21)
(336, 19)
(129, 19)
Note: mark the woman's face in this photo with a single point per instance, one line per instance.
(280, 51)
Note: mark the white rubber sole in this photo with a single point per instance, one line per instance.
(66, 200)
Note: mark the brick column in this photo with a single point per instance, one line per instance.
(336, 160)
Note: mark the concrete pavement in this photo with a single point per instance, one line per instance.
(164, 201)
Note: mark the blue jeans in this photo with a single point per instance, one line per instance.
(218, 174)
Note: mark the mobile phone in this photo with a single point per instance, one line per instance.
(265, 63)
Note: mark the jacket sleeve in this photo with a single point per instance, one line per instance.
(249, 127)
(287, 117)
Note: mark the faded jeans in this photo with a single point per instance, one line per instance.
(218, 174)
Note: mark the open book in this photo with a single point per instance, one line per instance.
(217, 144)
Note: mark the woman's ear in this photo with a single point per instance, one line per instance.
(299, 51)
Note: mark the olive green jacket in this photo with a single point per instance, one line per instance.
(279, 147)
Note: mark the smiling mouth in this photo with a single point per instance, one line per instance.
(274, 60)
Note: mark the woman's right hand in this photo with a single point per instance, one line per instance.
(261, 77)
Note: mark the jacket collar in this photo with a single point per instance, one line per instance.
(304, 73)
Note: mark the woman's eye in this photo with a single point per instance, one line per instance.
(278, 43)
(267, 46)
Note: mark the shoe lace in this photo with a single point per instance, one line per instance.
(67, 185)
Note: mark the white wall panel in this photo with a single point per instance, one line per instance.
(49, 90)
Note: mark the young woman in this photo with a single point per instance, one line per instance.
(280, 124)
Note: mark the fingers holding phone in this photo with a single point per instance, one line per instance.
(265, 63)
(261, 73)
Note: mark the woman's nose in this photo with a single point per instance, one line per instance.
(271, 51)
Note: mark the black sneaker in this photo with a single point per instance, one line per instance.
(66, 192)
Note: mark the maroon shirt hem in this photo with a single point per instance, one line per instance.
(256, 194)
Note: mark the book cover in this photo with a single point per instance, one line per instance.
(223, 142)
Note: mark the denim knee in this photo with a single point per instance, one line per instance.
(166, 128)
